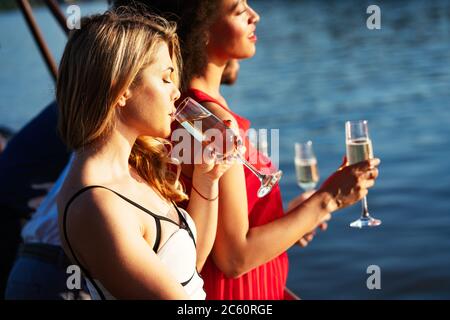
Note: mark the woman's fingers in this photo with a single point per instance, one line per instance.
(367, 179)
(364, 166)
(302, 243)
(323, 226)
(326, 218)
(373, 173)
(375, 162)
(351, 183)
(344, 163)
(309, 237)
(366, 173)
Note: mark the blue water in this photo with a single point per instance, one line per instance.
(317, 65)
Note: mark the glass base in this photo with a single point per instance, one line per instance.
(268, 182)
(365, 222)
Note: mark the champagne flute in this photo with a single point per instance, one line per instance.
(199, 121)
(359, 148)
(306, 166)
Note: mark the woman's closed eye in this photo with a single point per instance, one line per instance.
(167, 75)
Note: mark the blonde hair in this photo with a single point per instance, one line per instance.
(100, 61)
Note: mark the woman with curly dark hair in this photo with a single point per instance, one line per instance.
(249, 259)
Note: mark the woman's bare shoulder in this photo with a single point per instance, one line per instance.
(96, 208)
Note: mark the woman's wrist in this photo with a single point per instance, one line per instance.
(206, 188)
(205, 197)
(316, 207)
(326, 201)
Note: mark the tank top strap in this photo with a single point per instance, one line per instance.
(185, 223)
(66, 238)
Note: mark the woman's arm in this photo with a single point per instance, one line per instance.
(204, 214)
(109, 242)
(239, 248)
(203, 205)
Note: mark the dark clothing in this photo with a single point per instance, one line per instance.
(40, 273)
(35, 155)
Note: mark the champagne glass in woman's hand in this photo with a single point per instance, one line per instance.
(349, 184)
(216, 135)
(359, 148)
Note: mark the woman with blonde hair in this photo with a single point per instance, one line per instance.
(118, 219)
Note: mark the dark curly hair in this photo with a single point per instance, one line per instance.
(193, 18)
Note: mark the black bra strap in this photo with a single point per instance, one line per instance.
(86, 273)
(183, 220)
(158, 236)
(154, 215)
(187, 281)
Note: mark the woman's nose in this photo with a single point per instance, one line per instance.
(176, 95)
(254, 16)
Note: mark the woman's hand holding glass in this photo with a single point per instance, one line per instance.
(212, 132)
(349, 184)
(208, 170)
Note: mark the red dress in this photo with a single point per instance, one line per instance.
(268, 280)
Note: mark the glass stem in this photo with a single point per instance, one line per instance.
(251, 167)
(365, 209)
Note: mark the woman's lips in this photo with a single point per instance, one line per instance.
(252, 37)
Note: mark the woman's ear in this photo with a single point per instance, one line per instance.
(123, 98)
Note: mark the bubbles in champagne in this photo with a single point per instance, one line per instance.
(307, 173)
(359, 150)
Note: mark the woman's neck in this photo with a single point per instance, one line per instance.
(209, 81)
(108, 160)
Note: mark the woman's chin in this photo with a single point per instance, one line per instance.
(166, 134)
(248, 53)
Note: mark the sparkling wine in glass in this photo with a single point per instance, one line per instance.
(306, 166)
(215, 134)
(359, 148)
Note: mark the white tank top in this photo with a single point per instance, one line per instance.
(43, 225)
(178, 253)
